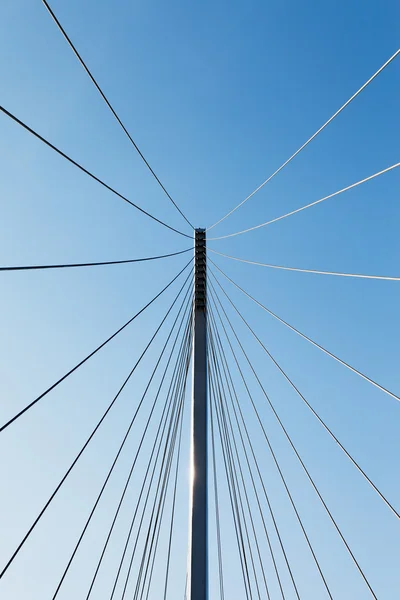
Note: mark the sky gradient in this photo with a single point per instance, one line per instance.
(217, 95)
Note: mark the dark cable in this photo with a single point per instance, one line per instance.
(217, 519)
(215, 351)
(294, 448)
(168, 404)
(232, 462)
(32, 527)
(180, 328)
(183, 392)
(231, 490)
(174, 398)
(232, 441)
(29, 406)
(162, 499)
(171, 529)
(112, 110)
(123, 444)
(161, 482)
(157, 512)
(93, 264)
(76, 164)
(266, 438)
(259, 506)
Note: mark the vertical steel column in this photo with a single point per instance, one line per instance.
(198, 542)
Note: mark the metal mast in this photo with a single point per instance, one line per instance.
(198, 541)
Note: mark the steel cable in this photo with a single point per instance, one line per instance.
(231, 436)
(87, 172)
(327, 429)
(305, 337)
(231, 487)
(295, 450)
(311, 138)
(297, 210)
(164, 457)
(54, 385)
(229, 445)
(180, 328)
(182, 357)
(217, 515)
(280, 267)
(158, 512)
(267, 440)
(92, 264)
(78, 456)
(123, 444)
(78, 56)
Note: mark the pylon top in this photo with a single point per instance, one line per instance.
(200, 269)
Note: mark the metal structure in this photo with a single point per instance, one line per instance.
(198, 538)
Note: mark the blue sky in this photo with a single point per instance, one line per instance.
(217, 95)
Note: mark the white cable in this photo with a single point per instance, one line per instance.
(339, 360)
(251, 262)
(293, 212)
(310, 139)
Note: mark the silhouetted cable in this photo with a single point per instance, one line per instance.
(266, 495)
(84, 170)
(339, 360)
(231, 388)
(167, 406)
(78, 56)
(217, 517)
(151, 536)
(237, 495)
(263, 430)
(155, 520)
(47, 504)
(152, 540)
(123, 444)
(311, 138)
(175, 408)
(147, 580)
(171, 529)
(220, 397)
(232, 443)
(163, 470)
(150, 578)
(93, 264)
(294, 448)
(52, 387)
(238, 532)
(179, 331)
(233, 467)
(178, 368)
(280, 267)
(297, 210)
(158, 510)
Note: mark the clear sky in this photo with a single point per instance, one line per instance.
(217, 95)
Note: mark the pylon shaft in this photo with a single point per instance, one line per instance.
(198, 542)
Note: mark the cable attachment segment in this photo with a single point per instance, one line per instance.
(200, 269)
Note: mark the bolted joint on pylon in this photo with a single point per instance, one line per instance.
(200, 269)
